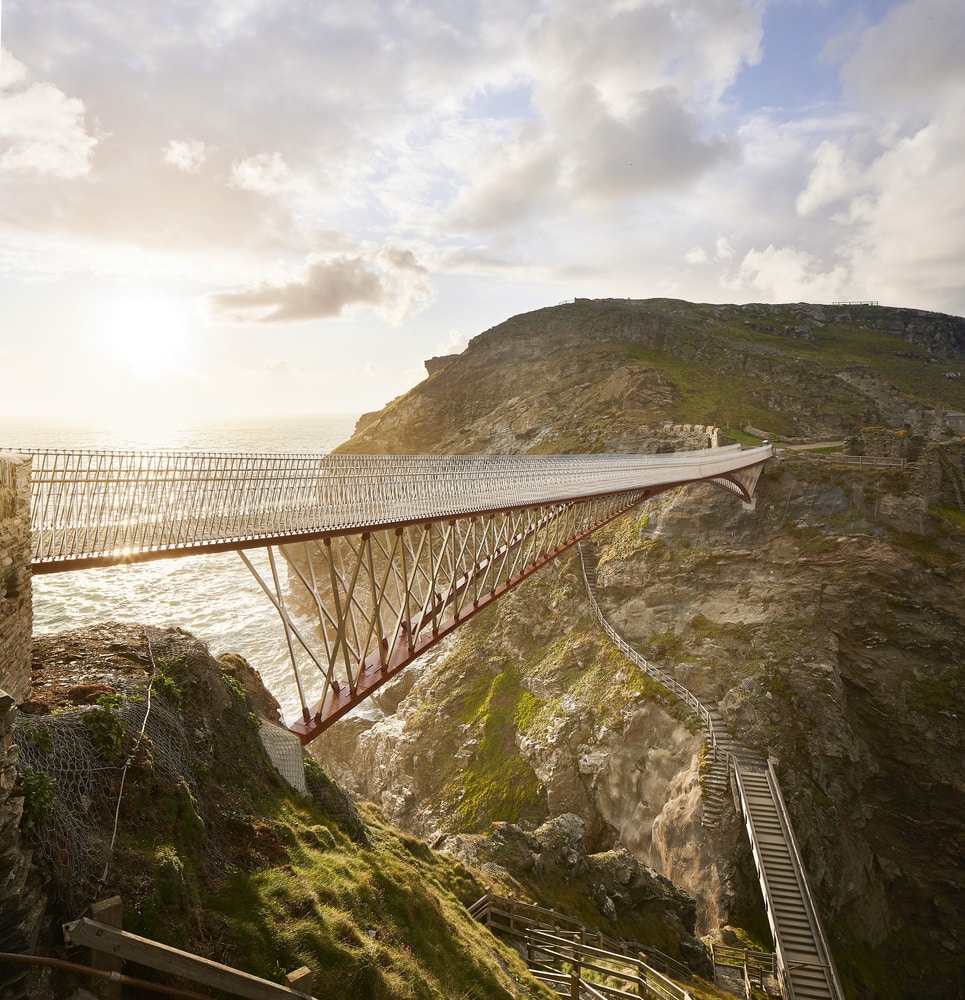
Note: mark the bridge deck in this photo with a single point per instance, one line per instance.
(98, 508)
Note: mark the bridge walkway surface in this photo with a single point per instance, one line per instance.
(386, 554)
(805, 967)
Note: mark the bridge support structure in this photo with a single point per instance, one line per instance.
(380, 598)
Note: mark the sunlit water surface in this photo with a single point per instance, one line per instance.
(214, 597)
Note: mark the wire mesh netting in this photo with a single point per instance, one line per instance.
(72, 764)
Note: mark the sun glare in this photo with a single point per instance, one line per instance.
(147, 334)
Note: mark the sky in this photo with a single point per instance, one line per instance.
(255, 208)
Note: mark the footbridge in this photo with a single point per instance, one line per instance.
(388, 553)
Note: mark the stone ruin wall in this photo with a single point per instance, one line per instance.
(15, 604)
(21, 903)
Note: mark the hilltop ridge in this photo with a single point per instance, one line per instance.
(600, 375)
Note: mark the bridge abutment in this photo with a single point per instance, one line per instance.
(16, 611)
(21, 904)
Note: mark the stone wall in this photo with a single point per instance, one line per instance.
(15, 605)
(21, 902)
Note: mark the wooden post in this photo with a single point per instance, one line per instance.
(574, 985)
(300, 980)
(164, 958)
(110, 912)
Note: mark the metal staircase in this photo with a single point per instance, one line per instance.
(805, 968)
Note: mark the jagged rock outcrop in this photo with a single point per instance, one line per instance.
(551, 862)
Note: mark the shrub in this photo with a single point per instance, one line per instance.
(39, 791)
(105, 728)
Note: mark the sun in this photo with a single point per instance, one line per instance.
(147, 333)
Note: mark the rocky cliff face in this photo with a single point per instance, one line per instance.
(605, 375)
(828, 622)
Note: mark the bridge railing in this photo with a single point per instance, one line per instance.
(87, 504)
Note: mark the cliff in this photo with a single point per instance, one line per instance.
(602, 375)
(828, 621)
(212, 851)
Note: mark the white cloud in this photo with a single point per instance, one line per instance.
(42, 128)
(389, 280)
(832, 178)
(696, 255)
(265, 173)
(456, 343)
(787, 274)
(908, 231)
(912, 57)
(620, 94)
(185, 154)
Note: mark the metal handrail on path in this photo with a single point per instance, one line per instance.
(785, 964)
(825, 959)
(666, 680)
(850, 461)
(824, 963)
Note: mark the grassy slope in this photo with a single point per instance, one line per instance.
(216, 854)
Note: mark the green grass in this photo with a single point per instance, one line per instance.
(951, 518)
(742, 437)
(712, 394)
(385, 921)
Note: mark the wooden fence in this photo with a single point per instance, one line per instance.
(563, 952)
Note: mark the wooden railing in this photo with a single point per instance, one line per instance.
(595, 972)
(755, 966)
(547, 932)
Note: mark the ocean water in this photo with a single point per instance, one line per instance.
(214, 597)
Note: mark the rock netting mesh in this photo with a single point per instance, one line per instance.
(73, 829)
(73, 833)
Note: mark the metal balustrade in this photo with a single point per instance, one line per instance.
(100, 507)
(804, 964)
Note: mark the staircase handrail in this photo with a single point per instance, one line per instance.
(814, 920)
(782, 961)
(651, 670)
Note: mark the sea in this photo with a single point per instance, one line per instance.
(214, 597)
